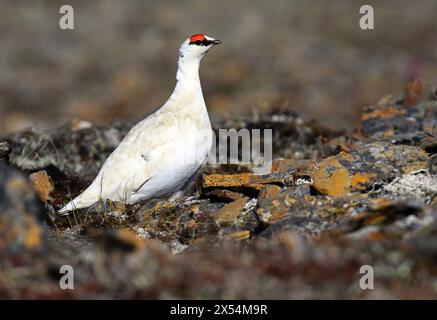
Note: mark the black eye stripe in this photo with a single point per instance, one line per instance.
(205, 42)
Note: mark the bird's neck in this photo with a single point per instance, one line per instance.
(188, 92)
(187, 76)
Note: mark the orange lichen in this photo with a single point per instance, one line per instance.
(360, 180)
(331, 177)
(382, 113)
(42, 184)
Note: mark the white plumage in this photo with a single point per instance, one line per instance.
(161, 153)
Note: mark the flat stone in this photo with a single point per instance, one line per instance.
(246, 180)
(298, 167)
(230, 180)
(282, 165)
(230, 212)
(274, 204)
(224, 195)
(331, 177)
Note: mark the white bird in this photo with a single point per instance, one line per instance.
(161, 153)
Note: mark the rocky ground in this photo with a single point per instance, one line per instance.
(334, 201)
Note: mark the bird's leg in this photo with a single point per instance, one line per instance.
(182, 198)
(106, 206)
(189, 188)
(99, 206)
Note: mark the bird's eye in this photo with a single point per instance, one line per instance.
(198, 42)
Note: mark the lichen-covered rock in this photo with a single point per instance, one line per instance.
(384, 219)
(392, 121)
(296, 167)
(275, 203)
(331, 203)
(75, 151)
(415, 187)
(21, 213)
(224, 195)
(365, 166)
(186, 222)
(231, 211)
(271, 207)
(42, 184)
(248, 183)
(246, 180)
(331, 177)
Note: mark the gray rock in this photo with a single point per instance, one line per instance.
(21, 213)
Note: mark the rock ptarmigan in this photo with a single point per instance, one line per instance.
(163, 152)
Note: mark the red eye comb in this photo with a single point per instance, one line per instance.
(196, 37)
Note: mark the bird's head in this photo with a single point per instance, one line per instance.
(197, 46)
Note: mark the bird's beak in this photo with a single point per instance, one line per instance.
(216, 42)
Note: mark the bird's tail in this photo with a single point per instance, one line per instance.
(84, 200)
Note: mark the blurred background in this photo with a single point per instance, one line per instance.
(120, 61)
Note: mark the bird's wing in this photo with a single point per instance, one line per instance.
(118, 178)
(150, 146)
(145, 150)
